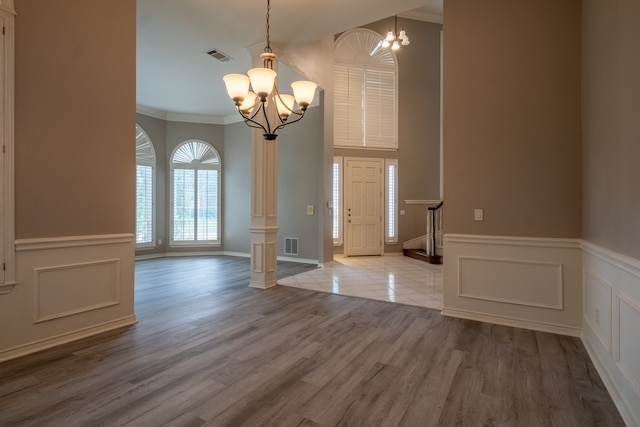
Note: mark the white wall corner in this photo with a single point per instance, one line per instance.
(611, 321)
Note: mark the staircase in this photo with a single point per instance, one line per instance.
(428, 248)
(420, 254)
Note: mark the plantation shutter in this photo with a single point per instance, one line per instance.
(145, 164)
(365, 97)
(380, 107)
(348, 111)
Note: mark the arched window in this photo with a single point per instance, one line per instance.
(145, 171)
(366, 81)
(195, 178)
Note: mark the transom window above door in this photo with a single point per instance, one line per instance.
(366, 87)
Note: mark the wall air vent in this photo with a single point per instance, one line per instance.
(220, 56)
(291, 246)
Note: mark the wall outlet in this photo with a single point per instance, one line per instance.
(310, 209)
(478, 215)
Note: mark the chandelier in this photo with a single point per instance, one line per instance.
(394, 39)
(253, 104)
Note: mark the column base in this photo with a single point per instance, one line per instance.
(264, 257)
(262, 285)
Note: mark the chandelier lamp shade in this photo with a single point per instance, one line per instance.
(252, 94)
(395, 39)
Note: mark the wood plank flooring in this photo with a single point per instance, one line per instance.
(209, 350)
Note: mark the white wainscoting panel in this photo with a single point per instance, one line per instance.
(58, 294)
(531, 283)
(612, 286)
(535, 284)
(598, 296)
(67, 288)
(629, 342)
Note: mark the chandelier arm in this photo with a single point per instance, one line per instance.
(266, 119)
(252, 115)
(252, 123)
(277, 93)
(283, 124)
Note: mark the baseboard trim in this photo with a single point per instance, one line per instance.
(513, 322)
(300, 260)
(221, 253)
(47, 343)
(620, 402)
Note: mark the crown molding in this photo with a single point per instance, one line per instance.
(423, 16)
(195, 118)
(180, 117)
(8, 6)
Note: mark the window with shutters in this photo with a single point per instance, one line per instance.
(337, 200)
(195, 194)
(365, 83)
(145, 184)
(391, 200)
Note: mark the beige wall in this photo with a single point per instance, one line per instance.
(74, 173)
(611, 125)
(75, 118)
(512, 117)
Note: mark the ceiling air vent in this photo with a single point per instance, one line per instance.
(220, 56)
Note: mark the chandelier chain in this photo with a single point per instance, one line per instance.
(268, 47)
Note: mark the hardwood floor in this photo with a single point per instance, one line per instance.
(209, 350)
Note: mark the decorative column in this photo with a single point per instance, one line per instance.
(264, 202)
(264, 211)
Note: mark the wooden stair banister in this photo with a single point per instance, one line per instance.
(428, 250)
(433, 257)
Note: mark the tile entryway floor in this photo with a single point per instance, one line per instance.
(394, 278)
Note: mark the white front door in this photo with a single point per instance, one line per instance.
(363, 206)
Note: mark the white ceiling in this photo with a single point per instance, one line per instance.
(175, 76)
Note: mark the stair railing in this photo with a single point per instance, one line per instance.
(433, 213)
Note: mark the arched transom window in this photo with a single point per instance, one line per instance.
(366, 80)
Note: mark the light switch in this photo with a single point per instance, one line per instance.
(310, 209)
(478, 215)
(401, 211)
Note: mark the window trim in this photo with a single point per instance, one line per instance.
(149, 160)
(217, 166)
